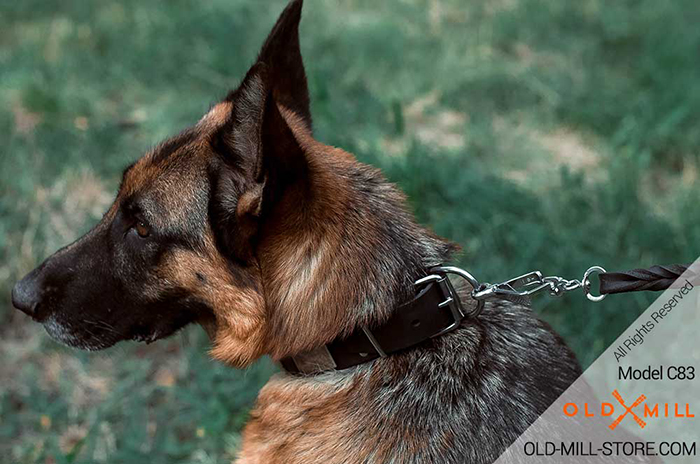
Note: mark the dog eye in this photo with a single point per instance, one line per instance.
(142, 229)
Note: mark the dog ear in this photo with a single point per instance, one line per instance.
(258, 138)
(282, 54)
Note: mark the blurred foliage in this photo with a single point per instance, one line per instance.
(547, 135)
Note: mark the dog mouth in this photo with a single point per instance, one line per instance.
(82, 338)
(98, 335)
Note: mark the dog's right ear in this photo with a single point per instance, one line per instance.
(282, 54)
(262, 155)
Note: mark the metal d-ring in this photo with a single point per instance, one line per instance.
(460, 272)
(586, 283)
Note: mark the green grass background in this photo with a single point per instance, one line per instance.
(547, 135)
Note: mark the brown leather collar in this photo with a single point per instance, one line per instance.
(435, 310)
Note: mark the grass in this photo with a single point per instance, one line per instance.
(538, 135)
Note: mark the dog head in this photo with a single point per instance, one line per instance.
(242, 223)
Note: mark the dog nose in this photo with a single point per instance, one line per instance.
(26, 294)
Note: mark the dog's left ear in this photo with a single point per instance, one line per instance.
(262, 155)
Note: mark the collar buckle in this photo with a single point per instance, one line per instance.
(440, 276)
(452, 303)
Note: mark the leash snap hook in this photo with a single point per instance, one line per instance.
(520, 289)
(517, 290)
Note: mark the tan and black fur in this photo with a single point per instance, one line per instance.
(277, 244)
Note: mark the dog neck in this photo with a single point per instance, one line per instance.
(342, 253)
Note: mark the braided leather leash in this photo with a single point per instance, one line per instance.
(654, 279)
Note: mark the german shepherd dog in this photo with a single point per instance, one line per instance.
(278, 244)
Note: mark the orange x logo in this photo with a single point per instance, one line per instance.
(628, 410)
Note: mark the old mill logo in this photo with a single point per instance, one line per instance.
(628, 410)
(637, 410)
